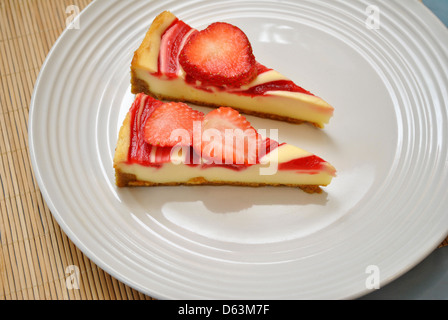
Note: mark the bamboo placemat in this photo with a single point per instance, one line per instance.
(35, 254)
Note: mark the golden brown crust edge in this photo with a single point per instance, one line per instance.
(123, 142)
(130, 180)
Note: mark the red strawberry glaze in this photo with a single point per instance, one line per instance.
(139, 150)
(145, 154)
(172, 42)
(282, 85)
(313, 163)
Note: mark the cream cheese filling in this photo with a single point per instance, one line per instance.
(292, 105)
(266, 172)
(179, 173)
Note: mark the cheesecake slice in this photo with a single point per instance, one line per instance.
(169, 143)
(216, 67)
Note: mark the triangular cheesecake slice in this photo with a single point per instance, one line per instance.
(169, 143)
(216, 67)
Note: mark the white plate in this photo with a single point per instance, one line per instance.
(385, 212)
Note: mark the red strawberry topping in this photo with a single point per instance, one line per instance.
(171, 124)
(219, 55)
(228, 138)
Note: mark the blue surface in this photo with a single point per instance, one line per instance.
(439, 8)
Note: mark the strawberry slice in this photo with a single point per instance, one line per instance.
(228, 138)
(219, 55)
(171, 124)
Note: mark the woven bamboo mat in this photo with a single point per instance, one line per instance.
(35, 254)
